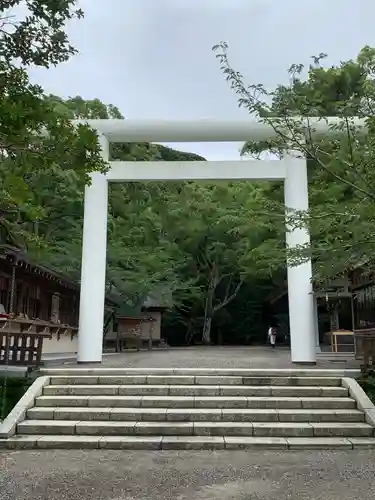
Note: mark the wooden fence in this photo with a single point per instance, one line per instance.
(21, 349)
(365, 347)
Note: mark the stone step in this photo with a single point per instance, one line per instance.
(182, 442)
(194, 415)
(174, 409)
(194, 390)
(222, 372)
(197, 402)
(311, 415)
(257, 429)
(194, 380)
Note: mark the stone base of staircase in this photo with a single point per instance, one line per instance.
(198, 409)
(182, 443)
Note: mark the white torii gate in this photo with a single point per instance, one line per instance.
(292, 170)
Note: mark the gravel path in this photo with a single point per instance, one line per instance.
(100, 475)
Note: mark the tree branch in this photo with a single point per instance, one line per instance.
(308, 152)
(228, 299)
(254, 104)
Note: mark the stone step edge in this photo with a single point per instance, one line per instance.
(198, 402)
(243, 372)
(200, 387)
(169, 390)
(192, 412)
(195, 380)
(149, 397)
(72, 423)
(182, 442)
(235, 429)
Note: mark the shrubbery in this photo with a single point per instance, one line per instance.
(15, 389)
(367, 382)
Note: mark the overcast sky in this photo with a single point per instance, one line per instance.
(153, 58)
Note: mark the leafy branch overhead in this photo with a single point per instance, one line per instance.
(35, 138)
(38, 37)
(341, 178)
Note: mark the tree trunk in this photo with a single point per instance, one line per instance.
(206, 336)
(189, 334)
(209, 310)
(220, 337)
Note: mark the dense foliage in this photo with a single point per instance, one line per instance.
(11, 391)
(341, 174)
(35, 141)
(367, 382)
(189, 237)
(220, 247)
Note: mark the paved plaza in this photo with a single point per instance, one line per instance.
(211, 357)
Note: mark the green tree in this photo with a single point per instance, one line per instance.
(39, 36)
(34, 138)
(140, 256)
(196, 238)
(341, 178)
(212, 225)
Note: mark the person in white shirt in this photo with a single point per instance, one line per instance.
(272, 336)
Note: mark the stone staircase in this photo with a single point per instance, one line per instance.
(190, 409)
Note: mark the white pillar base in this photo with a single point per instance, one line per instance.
(301, 312)
(93, 267)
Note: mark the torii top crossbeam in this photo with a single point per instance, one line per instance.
(204, 130)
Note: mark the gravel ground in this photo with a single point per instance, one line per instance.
(208, 357)
(105, 475)
(190, 475)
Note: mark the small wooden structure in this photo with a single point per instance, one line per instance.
(335, 316)
(136, 327)
(38, 300)
(335, 298)
(32, 290)
(21, 340)
(339, 339)
(129, 332)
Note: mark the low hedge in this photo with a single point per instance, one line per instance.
(12, 391)
(367, 382)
